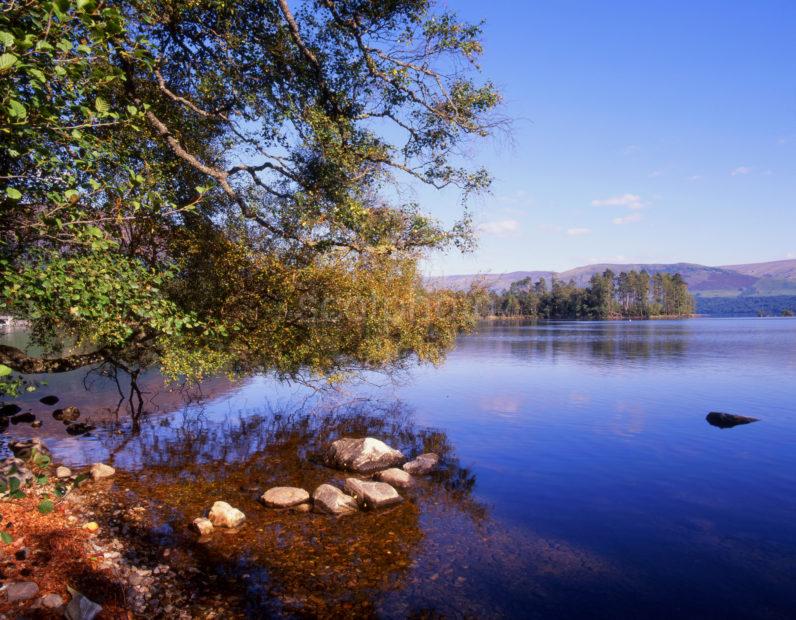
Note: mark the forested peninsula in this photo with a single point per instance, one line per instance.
(633, 294)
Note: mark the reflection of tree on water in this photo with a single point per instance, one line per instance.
(304, 562)
(586, 342)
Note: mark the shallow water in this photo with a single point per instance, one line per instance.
(581, 478)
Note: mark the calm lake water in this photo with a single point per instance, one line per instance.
(581, 479)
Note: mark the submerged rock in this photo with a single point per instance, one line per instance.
(80, 607)
(52, 601)
(331, 500)
(284, 497)
(101, 470)
(224, 515)
(363, 456)
(67, 414)
(423, 464)
(396, 477)
(62, 472)
(21, 591)
(48, 400)
(78, 428)
(24, 449)
(26, 417)
(728, 420)
(203, 526)
(7, 410)
(372, 494)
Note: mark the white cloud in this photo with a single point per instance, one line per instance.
(499, 228)
(578, 232)
(655, 173)
(790, 255)
(695, 177)
(741, 170)
(628, 219)
(629, 201)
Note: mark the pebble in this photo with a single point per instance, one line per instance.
(62, 472)
(21, 591)
(52, 601)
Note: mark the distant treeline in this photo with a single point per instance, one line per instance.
(608, 296)
(777, 305)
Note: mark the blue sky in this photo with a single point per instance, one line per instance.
(643, 131)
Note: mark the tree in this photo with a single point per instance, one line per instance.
(207, 185)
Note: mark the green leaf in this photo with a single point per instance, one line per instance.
(4, 370)
(7, 61)
(41, 480)
(40, 459)
(6, 38)
(13, 483)
(18, 494)
(17, 109)
(14, 194)
(46, 506)
(6, 538)
(39, 75)
(101, 106)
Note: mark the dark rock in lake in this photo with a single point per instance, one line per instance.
(67, 414)
(7, 410)
(48, 400)
(78, 428)
(26, 417)
(728, 420)
(365, 455)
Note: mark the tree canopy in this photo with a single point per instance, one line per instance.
(215, 185)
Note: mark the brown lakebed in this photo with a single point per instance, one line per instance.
(437, 553)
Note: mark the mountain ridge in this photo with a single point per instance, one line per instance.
(771, 278)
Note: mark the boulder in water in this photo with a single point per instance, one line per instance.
(422, 465)
(728, 420)
(364, 456)
(101, 470)
(203, 526)
(48, 400)
(284, 497)
(224, 515)
(331, 500)
(396, 477)
(372, 495)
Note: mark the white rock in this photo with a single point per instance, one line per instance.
(396, 477)
(423, 464)
(62, 472)
(224, 515)
(331, 500)
(21, 591)
(203, 526)
(52, 601)
(372, 494)
(284, 497)
(364, 455)
(101, 470)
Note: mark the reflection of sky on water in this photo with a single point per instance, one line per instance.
(594, 435)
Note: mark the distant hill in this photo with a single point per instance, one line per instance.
(776, 278)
